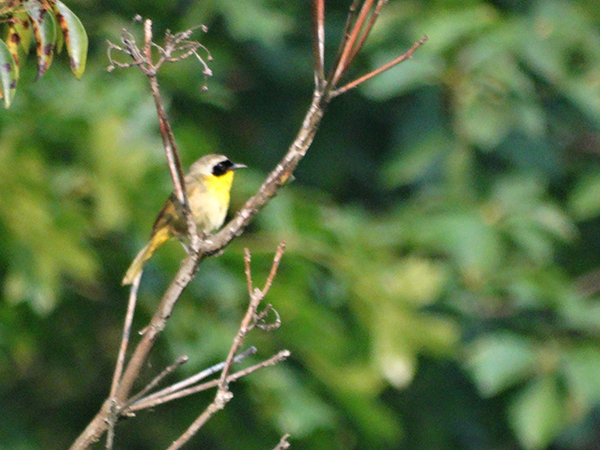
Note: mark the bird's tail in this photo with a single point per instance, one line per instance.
(157, 239)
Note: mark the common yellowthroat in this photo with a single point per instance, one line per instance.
(207, 184)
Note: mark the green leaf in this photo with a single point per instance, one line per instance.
(255, 20)
(536, 414)
(499, 361)
(75, 37)
(483, 120)
(23, 28)
(471, 242)
(581, 367)
(44, 29)
(449, 28)
(549, 54)
(415, 162)
(584, 201)
(8, 74)
(12, 42)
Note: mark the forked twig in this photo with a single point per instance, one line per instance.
(147, 402)
(170, 369)
(153, 402)
(223, 395)
(222, 398)
(365, 33)
(256, 296)
(403, 57)
(348, 47)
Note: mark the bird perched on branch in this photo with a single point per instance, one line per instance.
(207, 184)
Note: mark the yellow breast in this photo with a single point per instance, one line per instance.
(209, 201)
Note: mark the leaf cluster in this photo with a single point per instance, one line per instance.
(52, 24)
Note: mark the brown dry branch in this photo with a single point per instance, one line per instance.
(403, 57)
(174, 391)
(112, 420)
(177, 47)
(251, 318)
(126, 334)
(318, 23)
(170, 369)
(142, 404)
(224, 395)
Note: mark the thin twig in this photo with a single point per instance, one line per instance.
(248, 269)
(344, 61)
(121, 359)
(350, 19)
(261, 322)
(318, 25)
(282, 355)
(274, 267)
(174, 164)
(222, 397)
(406, 55)
(126, 334)
(194, 379)
(357, 48)
(170, 369)
(256, 296)
(110, 432)
(218, 404)
(171, 152)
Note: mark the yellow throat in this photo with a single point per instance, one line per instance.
(220, 187)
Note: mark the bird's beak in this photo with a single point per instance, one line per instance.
(237, 166)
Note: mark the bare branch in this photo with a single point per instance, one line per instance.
(223, 395)
(157, 324)
(406, 55)
(126, 334)
(318, 25)
(261, 322)
(170, 369)
(345, 61)
(190, 381)
(111, 422)
(367, 31)
(173, 45)
(221, 399)
(350, 19)
(274, 267)
(282, 355)
(256, 296)
(248, 270)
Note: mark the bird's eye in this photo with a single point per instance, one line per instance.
(222, 168)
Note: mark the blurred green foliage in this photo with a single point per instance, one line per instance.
(440, 284)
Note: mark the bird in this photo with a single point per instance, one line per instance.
(208, 184)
